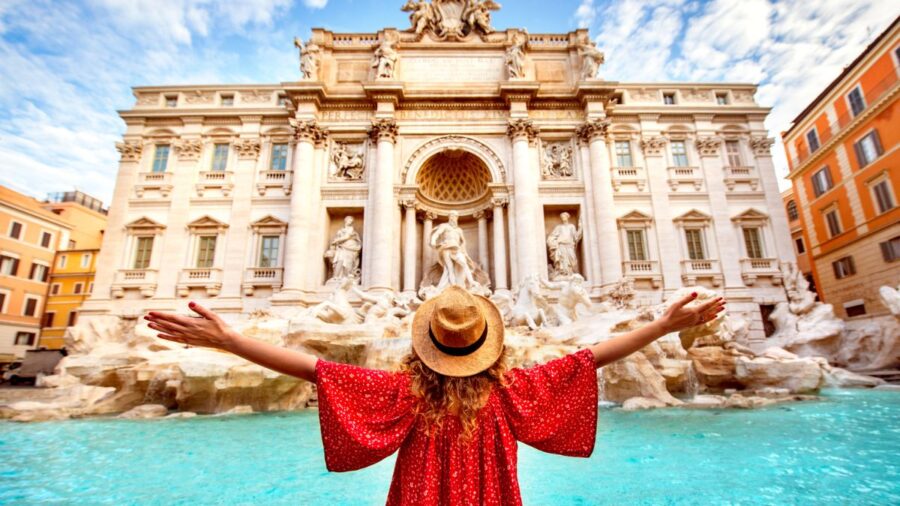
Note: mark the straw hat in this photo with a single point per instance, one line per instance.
(457, 333)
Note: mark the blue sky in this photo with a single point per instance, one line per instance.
(67, 66)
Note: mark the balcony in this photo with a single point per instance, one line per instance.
(647, 270)
(215, 180)
(743, 175)
(694, 270)
(209, 279)
(159, 181)
(685, 175)
(754, 268)
(274, 179)
(142, 280)
(255, 277)
(629, 175)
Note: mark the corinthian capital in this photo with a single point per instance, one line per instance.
(247, 149)
(761, 146)
(384, 129)
(188, 149)
(593, 129)
(306, 130)
(708, 146)
(499, 201)
(518, 128)
(130, 151)
(653, 146)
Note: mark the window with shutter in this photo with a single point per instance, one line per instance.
(694, 241)
(890, 250)
(883, 196)
(637, 249)
(868, 149)
(753, 242)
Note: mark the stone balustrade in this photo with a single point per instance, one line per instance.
(208, 278)
(143, 280)
(256, 277)
(735, 175)
(643, 270)
(685, 175)
(754, 268)
(274, 179)
(629, 175)
(695, 270)
(160, 181)
(215, 179)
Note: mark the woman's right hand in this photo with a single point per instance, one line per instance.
(206, 330)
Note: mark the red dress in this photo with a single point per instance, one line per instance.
(367, 415)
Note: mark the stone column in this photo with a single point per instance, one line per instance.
(409, 246)
(427, 259)
(381, 211)
(667, 253)
(482, 240)
(594, 133)
(726, 240)
(761, 147)
(523, 132)
(296, 253)
(499, 245)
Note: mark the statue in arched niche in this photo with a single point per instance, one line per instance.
(453, 265)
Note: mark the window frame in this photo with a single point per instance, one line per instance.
(218, 164)
(793, 213)
(49, 236)
(882, 179)
(157, 161)
(4, 301)
(736, 154)
(48, 315)
(208, 255)
(86, 260)
(31, 339)
(45, 276)
(72, 318)
(9, 231)
(226, 99)
(170, 101)
(862, 99)
(273, 263)
(800, 245)
(815, 135)
(833, 210)
(137, 253)
(37, 305)
(858, 148)
(818, 192)
(61, 261)
(683, 153)
(617, 143)
(55, 288)
(669, 95)
(14, 263)
(722, 98)
(889, 253)
(272, 156)
(701, 240)
(760, 243)
(844, 273)
(78, 288)
(855, 303)
(645, 250)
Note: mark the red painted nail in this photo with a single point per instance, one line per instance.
(694, 294)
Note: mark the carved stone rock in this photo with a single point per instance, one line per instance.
(557, 161)
(349, 163)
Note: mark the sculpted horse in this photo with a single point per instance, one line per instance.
(530, 307)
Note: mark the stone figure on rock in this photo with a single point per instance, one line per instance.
(891, 298)
(380, 307)
(572, 295)
(515, 57)
(337, 309)
(344, 251)
(456, 267)
(349, 165)
(591, 58)
(421, 15)
(529, 307)
(309, 60)
(621, 294)
(800, 298)
(385, 59)
(562, 243)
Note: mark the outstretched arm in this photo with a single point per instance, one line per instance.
(676, 318)
(208, 330)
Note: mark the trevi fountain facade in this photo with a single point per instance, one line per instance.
(319, 213)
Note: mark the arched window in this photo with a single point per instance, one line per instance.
(792, 210)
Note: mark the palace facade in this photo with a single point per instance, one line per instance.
(236, 194)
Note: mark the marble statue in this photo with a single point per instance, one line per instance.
(572, 294)
(891, 298)
(421, 15)
(309, 60)
(557, 162)
(448, 241)
(451, 19)
(337, 309)
(515, 57)
(591, 58)
(800, 298)
(477, 14)
(381, 307)
(530, 306)
(343, 252)
(621, 294)
(349, 165)
(562, 242)
(385, 59)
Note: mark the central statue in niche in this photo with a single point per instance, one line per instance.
(454, 266)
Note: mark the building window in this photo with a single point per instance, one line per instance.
(85, 260)
(283, 100)
(39, 272)
(79, 287)
(25, 338)
(843, 267)
(15, 230)
(268, 250)
(90, 287)
(834, 222)
(857, 103)
(890, 250)
(47, 320)
(30, 308)
(279, 156)
(855, 308)
(206, 251)
(733, 150)
(792, 213)
(812, 139)
(884, 198)
(679, 154)
(753, 242)
(3, 299)
(623, 154)
(868, 148)
(171, 100)
(822, 181)
(142, 251)
(161, 158)
(669, 98)
(46, 237)
(220, 157)
(637, 244)
(9, 265)
(722, 98)
(694, 239)
(73, 317)
(227, 100)
(801, 248)
(61, 262)
(54, 289)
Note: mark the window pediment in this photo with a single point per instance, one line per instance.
(693, 217)
(207, 224)
(269, 224)
(635, 219)
(144, 224)
(751, 217)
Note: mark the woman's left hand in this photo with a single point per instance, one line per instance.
(678, 317)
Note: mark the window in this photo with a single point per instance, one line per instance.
(143, 250)
(90, 287)
(855, 308)
(279, 156)
(857, 103)
(283, 100)
(39, 272)
(61, 262)
(623, 154)
(79, 287)
(801, 248)
(206, 251)
(733, 150)
(25, 338)
(679, 154)
(821, 181)
(883, 196)
(15, 230)
(669, 98)
(227, 100)
(694, 239)
(73, 316)
(54, 289)
(9, 265)
(812, 139)
(161, 158)
(637, 247)
(220, 157)
(46, 237)
(30, 308)
(85, 260)
(268, 251)
(47, 320)
(792, 213)
(722, 98)
(3, 302)
(171, 100)
(834, 222)
(890, 250)
(868, 148)
(753, 242)
(844, 267)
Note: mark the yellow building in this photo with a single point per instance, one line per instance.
(72, 273)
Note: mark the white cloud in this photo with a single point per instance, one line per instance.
(585, 13)
(315, 4)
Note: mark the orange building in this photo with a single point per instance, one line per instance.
(845, 170)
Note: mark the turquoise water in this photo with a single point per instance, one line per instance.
(843, 450)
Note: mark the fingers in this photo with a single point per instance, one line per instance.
(169, 328)
(684, 301)
(202, 311)
(706, 306)
(184, 321)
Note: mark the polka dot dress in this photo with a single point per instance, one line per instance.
(367, 415)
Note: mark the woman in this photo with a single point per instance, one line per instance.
(454, 411)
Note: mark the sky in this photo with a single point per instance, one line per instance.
(68, 66)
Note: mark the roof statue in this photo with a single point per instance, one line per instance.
(451, 19)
